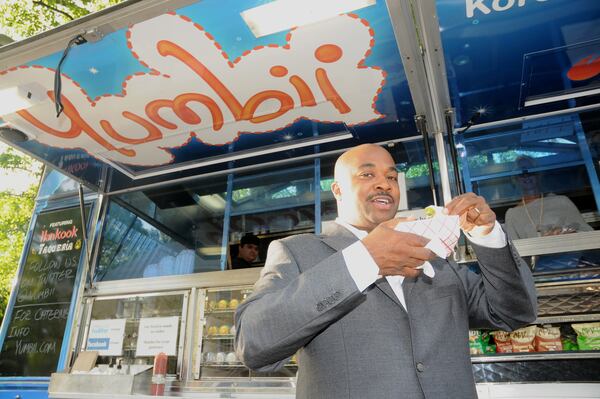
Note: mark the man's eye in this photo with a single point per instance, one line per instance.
(366, 174)
(394, 178)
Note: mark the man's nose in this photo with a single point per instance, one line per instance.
(383, 184)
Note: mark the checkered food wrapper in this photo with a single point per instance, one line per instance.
(442, 230)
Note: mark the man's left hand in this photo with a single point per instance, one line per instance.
(476, 216)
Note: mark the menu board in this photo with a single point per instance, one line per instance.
(37, 322)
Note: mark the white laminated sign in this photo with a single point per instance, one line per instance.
(157, 334)
(106, 337)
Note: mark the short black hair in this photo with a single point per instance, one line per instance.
(249, 238)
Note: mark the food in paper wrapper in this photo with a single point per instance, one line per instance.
(442, 230)
(522, 339)
(503, 342)
(547, 339)
(430, 211)
(588, 335)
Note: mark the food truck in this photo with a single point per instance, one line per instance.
(172, 128)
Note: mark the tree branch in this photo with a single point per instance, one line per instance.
(66, 14)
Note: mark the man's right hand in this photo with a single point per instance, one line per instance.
(397, 253)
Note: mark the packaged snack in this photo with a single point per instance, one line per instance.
(522, 339)
(568, 338)
(569, 344)
(479, 342)
(547, 339)
(503, 342)
(490, 348)
(588, 335)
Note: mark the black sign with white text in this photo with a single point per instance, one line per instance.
(33, 340)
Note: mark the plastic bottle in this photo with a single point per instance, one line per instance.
(158, 375)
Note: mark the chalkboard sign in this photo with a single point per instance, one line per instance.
(37, 323)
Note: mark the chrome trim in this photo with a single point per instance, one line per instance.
(557, 244)
(183, 337)
(569, 287)
(577, 318)
(89, 305)
(79, 307)
(417, 34)
(569, 96)
(188, 344)
(244, 169)
(197, 339)
(522, 119)
(509, 357)
(140, 286)
(217, 159)
(144, 294)
(559, 284)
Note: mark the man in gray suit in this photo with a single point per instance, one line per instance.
(365, 320)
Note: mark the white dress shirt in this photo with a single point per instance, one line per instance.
(364, 271)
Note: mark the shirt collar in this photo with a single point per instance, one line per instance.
(360, 234)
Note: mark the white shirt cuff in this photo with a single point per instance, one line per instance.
(495, 239)
(363, 269)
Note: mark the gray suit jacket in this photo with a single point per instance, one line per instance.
(361, 345)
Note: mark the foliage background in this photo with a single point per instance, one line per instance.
(20, 19)
(15, 213)
(23, 18)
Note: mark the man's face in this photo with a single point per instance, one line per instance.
(529, 183)
(248, 252)
(367, 187)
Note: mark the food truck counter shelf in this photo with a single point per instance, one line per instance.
(138, 382)
(567, 318)
(518, 357)
(208, 393)
(207, 312)
(219, 337)
(556, 244)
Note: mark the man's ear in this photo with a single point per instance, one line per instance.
(336, 190)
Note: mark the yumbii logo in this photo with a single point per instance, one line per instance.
(193, 89)
(487, 6)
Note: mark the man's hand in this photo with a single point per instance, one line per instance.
(475, 215)
(397, 253)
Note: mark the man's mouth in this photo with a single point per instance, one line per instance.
(382, 201)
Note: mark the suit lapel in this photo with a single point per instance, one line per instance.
(384, 286)
(338, 237)
(407, 288)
